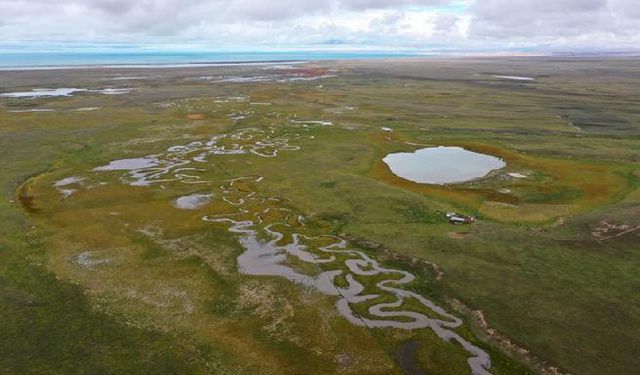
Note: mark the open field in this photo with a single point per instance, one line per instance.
(102, 269)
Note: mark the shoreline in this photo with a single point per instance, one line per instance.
(63, 61)
(150, 65)
(198, 65)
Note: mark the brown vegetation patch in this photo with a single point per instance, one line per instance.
(458, 235)
(195, 116)
(26, 198)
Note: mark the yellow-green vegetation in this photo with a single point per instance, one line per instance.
(102, 271)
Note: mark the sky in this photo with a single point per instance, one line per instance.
(429, 25)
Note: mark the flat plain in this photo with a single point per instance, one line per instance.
(188, 220)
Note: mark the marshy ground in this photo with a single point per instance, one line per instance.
(190, 220)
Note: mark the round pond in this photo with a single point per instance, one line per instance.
(442, 165)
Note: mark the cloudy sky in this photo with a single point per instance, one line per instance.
(258, 24)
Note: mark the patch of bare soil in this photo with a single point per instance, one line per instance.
(458, 235)
(559, 222)
(606, 230)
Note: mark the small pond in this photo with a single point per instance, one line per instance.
(442, 165)
(193, 201)
(129, 164)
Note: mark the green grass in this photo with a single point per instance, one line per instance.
(172, 301)
(49, 325)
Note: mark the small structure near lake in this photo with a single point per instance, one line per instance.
(457, 219)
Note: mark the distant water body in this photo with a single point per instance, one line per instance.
(61, 60)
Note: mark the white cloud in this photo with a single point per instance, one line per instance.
(566, 21)
(403, 23)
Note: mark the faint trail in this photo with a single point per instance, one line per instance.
(630, 230)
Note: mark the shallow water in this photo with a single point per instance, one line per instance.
(35, 110)
(45, 93)
(442, 165)
(303, 122)
(178, 58)
(250, 214)
(247, 79)
(517, 175)
(516, 78)
(270, 258)
(182, 162)
(129, 164)
(193, 201)
(112, 91)
(61, 185)
(267, 258)
(68, 181)
(303, 78)
(37, 93)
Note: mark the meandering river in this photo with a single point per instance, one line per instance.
(356, 299)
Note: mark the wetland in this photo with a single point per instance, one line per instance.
(289, 218)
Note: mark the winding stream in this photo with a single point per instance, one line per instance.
(250, 213)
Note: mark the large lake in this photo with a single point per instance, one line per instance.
(442, 165)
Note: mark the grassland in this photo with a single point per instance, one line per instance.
(113, 278)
